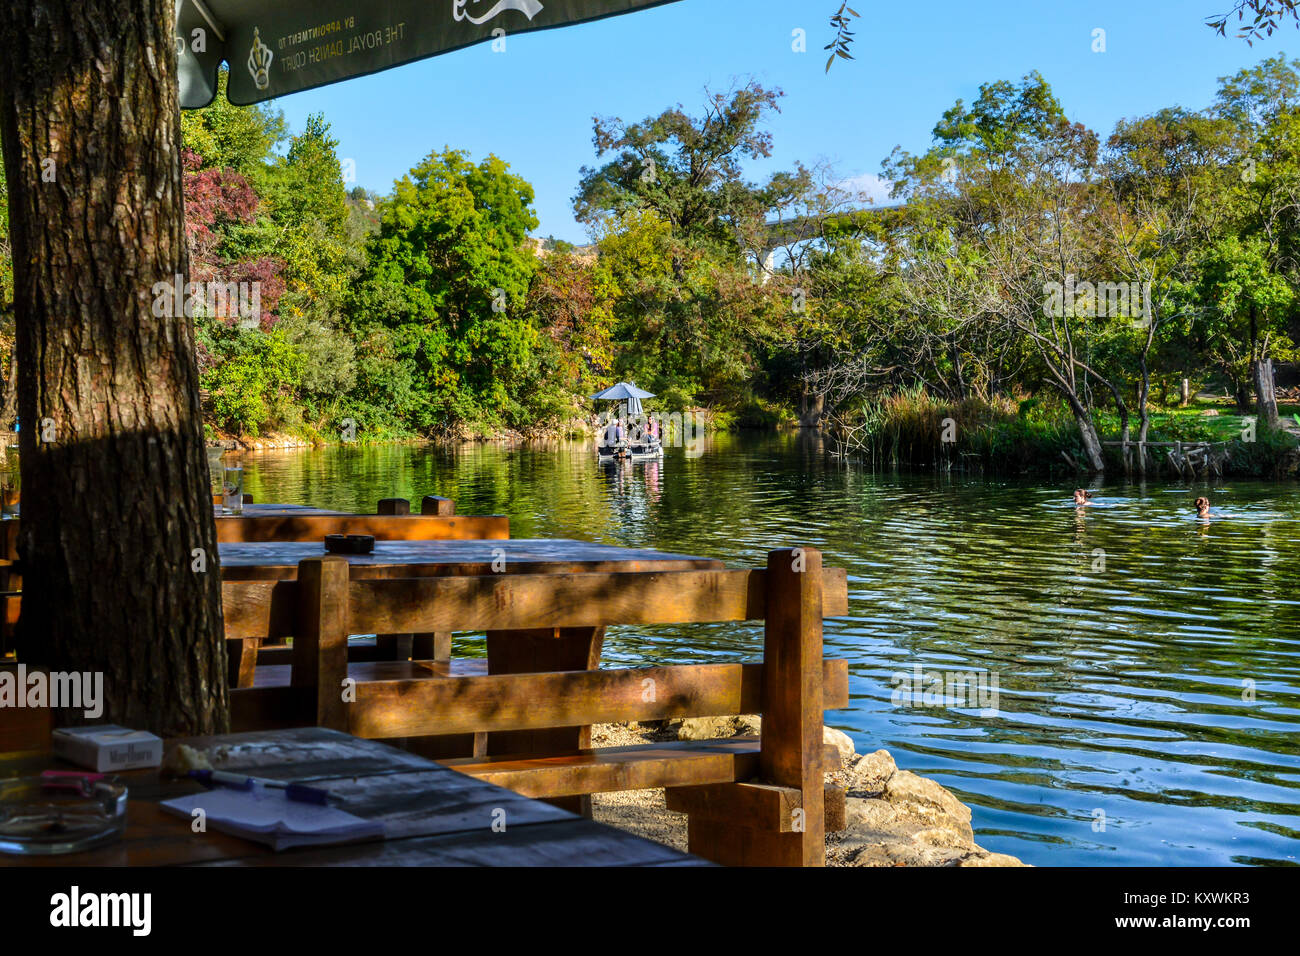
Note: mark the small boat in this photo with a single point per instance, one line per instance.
(630, 451)
(642, 446)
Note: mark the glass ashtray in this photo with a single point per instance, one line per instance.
(60, 812)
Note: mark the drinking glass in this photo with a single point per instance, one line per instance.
(232, 488)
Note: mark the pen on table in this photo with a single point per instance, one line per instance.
(298, 792)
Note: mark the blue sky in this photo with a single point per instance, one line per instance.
(532, 105)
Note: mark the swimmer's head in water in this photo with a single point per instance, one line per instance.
(1203, 507)
(1081, 497)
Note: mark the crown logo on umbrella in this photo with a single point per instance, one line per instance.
(529, 8)
(259, 62)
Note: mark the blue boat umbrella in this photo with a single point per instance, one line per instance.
(622, 391)
(625, 392)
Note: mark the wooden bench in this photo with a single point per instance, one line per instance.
(750, 800)
(394, 522)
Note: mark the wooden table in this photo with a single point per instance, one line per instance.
(433, 816)
(278, 560)
(508, 652)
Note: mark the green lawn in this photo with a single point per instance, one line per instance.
(1192, 423)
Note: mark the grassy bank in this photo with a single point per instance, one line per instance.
(1035, 436)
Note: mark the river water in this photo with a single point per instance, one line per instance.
(1146, 709)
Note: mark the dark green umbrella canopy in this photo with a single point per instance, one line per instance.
(275, 47)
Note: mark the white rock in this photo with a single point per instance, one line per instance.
(868, 774)
(841, 742)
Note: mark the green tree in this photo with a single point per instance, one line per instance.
(688, 170)
(1003, 214)
(1262, 103)
(448, 272)
(673, 191)
(235, 137)
(304, 196)
(256, 386)
(1169, 176)
(306, 184)
(1248, 306)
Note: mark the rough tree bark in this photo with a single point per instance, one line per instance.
(116, 501)
(1092, 447)
(1261, 373)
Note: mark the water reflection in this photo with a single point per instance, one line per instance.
(1147, 663)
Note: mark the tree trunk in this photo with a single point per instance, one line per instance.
(1241, 395)
(1125, 431)
(117, 518)
(1261, 371)
(812, 409)
(1144, 412)
(1088, 433)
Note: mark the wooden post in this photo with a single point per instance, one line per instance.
(432, 647)
(243, 661)
(395, 647)
(791, 751)
(435, 646)
(791, 754)
(320, 643)
(437, 505)
(541, 650)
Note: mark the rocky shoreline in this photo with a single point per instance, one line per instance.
(894, 817)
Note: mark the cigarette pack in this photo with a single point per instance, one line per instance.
(102, 747)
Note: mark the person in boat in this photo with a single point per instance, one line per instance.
(653, 428)
(612, 435)
(1081, 497)
(1202, 507)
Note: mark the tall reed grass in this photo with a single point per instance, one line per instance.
(913, 429)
